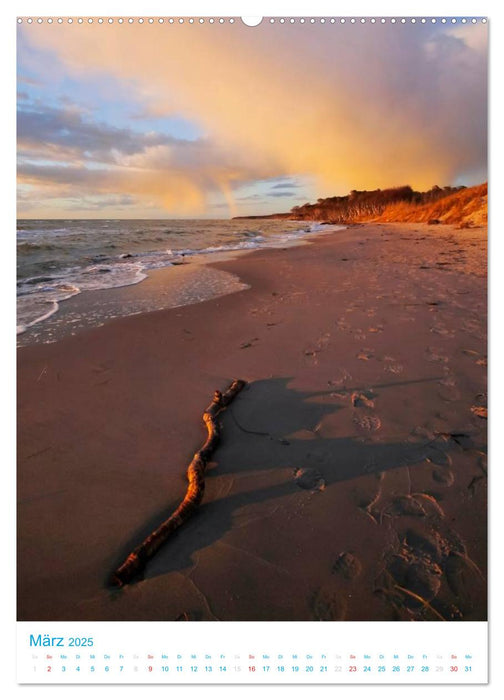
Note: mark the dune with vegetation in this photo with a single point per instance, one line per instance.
(464, 207)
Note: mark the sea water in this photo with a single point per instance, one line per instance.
(59, 259)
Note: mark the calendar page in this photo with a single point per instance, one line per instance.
(252, 347)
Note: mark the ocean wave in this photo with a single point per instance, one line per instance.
(35, 280)
(74, 270)
(242, 245)
(39, 306)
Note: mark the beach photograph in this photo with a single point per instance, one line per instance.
(252, 320)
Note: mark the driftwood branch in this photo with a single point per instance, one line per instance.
(136, 561)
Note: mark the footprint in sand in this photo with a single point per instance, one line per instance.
(309, 479)
(422, 578)
(465, 581)
(406, 505)
(363, 399)
(394, 368)
(311, 357)
(448, 379)
(416, 567)
(442, 330)
(474, 327)
(358, 334)
(328, 604)
(438, 457)
(427, 554)
(445, 477)
(417, 505)
(365, 354)
(340, 378)
(435, 355)
(367, 423)
(347, 565)
(321, 343)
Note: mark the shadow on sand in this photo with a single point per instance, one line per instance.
(258, 431)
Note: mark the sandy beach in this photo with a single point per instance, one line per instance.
(351, 479)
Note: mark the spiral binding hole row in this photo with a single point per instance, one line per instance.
(232, 20)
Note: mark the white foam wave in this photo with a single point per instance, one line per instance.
(40, 305)
(39, 296)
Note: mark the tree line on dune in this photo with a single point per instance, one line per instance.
(464, 207)
(361, 205)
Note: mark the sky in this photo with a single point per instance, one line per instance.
(212, 121)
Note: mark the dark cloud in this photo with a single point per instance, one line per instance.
(67, 129)
(63, 155)
(123, 201)
(249, 197)
(70, 136)
(33, 173)
(286, 186)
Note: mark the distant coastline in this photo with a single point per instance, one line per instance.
(462, 206)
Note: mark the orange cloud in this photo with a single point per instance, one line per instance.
(353, 106)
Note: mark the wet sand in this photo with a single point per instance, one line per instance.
(351, 479)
